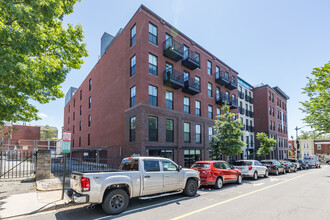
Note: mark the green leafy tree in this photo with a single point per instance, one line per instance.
(47, 133)
(266, 144)
(227, 137)
(312, 135)
(36, 53)
(317, 108)
(290, 153)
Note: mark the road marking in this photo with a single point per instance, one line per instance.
(258, 184)
(237, 197)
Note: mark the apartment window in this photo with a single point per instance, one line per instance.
(80, 95)
(210, 112)
(89, 120)
(153, 34)
(319, 147)
(152, 64)
(133, 65)
(198, 82)
(153, 128)
(198, 134)
(69, 109)
(153, 95)
(209, 89)
(273, 112)
(217, 70)
(198, 108)
(74, 116)
(132, 99)
(186, 128)
(89, 139)
(169, 130)
(133, 35)
(89, 102)
(90, 84)
(210, 134)
(186, 105)
(80, 110)
(270, 97)
(132, 129)
(80, 125)
(209, 68)
(247, 124)
(270, 125)
(169, 100)
(74, 102)
(79, 141)
(197, 57)
(270, 110)
(218, 111)
(185, 76)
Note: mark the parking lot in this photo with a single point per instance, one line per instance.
(300, 195)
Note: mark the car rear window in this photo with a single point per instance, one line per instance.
(129, 165)
(242, 163)
(201, 165)
(267, 162)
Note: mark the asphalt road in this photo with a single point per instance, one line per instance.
(301, 195)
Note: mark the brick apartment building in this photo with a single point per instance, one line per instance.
(270, 109)
(322, 147)
(246, 114)
(154, 92)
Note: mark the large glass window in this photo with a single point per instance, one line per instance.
(80, 110)
(209, 89)
(153, 34)
(185, 76)
(89, 139)
(198, 134)
(153, 128)
(209, 68)
(210, 112)
(133, 65)
(186, 129)
(198, 82)
(132, 101)
(218, 111)
(132, 129)
(133, 35)
(169, 130)
(90, 102)
(169, 100)
(210, 134)
(198, 108)
(153, 100)
(152, 64)
(80, 125)
(191, 156)
(162, 153)
(90, 84)
(89, 120)
(186, 105)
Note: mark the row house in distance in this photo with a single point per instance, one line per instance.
(154, 92)
(270, 110)
(246, 114)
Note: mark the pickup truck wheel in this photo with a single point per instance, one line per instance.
(191, 188)
(115, 202)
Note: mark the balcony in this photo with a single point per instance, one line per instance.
(247, 98)
(243, 128)
(251, 128)
(247, 112)
(232, 84)
(190, 59)
(222, 99)
(233, 103)
(250, 99)
(173, 79)
(241, 110)
(173, 49)
(191, 87)
(251, 114)
(241, 95)
(222, 78)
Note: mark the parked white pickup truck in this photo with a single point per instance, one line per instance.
(143, 177)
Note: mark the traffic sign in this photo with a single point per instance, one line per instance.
(66, 136)
(66, 147)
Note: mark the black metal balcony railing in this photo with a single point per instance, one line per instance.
(247, 98)
(250, 99)
(173, 79)
(222, 98)
(222, 78)
(190, 59)
(247, 127)
(191, 86)
(173, 49)
(232, 84)
(251, 114)
(247, 113)
(241, 110)
(251, 128)
(243, 128)
(241, 95)
(233, 103)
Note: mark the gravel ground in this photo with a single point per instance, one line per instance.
(17, 186)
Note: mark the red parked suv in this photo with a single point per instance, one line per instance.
(217, 173)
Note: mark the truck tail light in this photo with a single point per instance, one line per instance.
(250, 168)
(85, 186)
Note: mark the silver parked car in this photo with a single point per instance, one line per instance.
(251, 168)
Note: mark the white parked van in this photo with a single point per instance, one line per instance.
(312, 161)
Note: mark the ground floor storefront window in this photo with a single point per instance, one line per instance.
(162, 153)
(191, 156)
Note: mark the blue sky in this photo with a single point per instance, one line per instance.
(271, 42)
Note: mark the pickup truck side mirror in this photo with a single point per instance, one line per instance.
(179, 168)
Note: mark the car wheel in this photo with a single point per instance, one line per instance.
(115, 202)
(295, 169)
(255, 176)
(191, 188)
(239, 179)
(276, 172)
(266, 174)
(284, 171)
(218, 183)
(289, 170)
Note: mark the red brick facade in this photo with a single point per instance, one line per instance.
(322, 147)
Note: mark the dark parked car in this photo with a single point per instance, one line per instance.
(303, 165)
(290, 167)
(295, 162)
(274, 167)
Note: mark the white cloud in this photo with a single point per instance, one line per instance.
(42, 115)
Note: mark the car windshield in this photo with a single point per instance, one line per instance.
(201, 165)
(242, 163)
